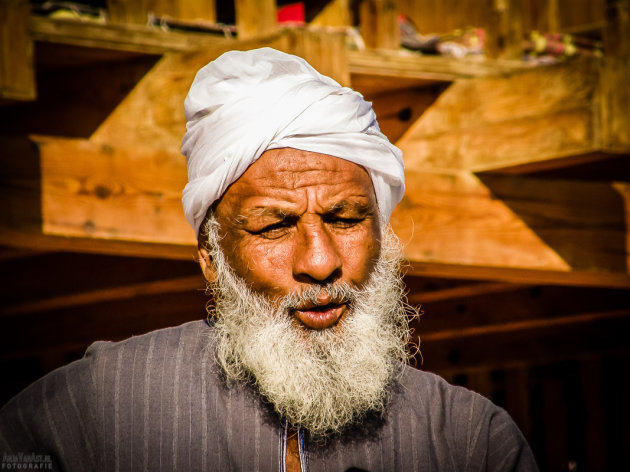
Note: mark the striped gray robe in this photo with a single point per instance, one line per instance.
(158, 402)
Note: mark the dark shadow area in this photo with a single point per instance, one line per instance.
(583, 222)
(77, 89)
(20, 185)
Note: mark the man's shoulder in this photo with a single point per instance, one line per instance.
(189, 338)
(473, 428)
(433, 397)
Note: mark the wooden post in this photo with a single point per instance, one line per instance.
(336, 13)
(504, 30)
(379, 24)
(553, 17)
(255, 17)
(615, 92)
(324, 50)
(137, 11)
(518, 398)
(187, 10)
(17, 76)
(134, 12)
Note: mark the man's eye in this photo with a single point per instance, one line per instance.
(345, 222)
(274, 231)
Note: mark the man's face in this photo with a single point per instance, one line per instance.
(296, 219)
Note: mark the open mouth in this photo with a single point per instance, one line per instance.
(321, 316)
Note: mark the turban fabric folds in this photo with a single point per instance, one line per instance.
(246, 102)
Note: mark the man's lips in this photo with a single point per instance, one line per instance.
(320, 316)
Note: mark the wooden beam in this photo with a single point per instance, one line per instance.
(521, 326)
(134, 12)
(117, 194)
(496, 122)
(134, 38)
(325, 50)
(159, 97)
(571, 337)
(336, 14)
(197, 11)
(397, 110)
(79, 193)
(463, 291)
(615, 92)
(99, 191)
(401, 64)
(504, 29)
(255, 18)
(181, 284)
(379, 24)
(505, 226)
(17, 75)
(39, 332)
(536, 304)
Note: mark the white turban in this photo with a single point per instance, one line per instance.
(244, 103)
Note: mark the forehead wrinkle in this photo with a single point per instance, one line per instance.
(289, 179)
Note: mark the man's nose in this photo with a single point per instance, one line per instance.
(316, 258)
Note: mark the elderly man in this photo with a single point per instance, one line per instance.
(302, 363)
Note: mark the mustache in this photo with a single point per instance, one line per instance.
(334, 293)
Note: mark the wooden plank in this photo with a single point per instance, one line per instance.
(17, 75)
(134, 38)
(137, 12)
(490, 123)
(398, 109)
(75, 275)
(99, 191)
(555, 419)
(615, 93)
(174, 285)
(335, 14)
(200, 11)
(571, 337)
(132, 194)
(594, 427)
(159, 96)
(379, 24)
(255, 18)
(506, 222)
(323, 49)
(384, 63)
(517, 401)
(539, 304)
(69, 194)
(66, 105)
(36, 333)
(504, 29)
(516, 326)
(516, 275)
(129, 12)
(463, 291)
(46, 242)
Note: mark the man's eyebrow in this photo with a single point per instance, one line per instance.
(273, 212)
(360, 208)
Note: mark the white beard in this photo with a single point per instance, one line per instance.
(323, 380)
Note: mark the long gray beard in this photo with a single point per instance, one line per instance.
(322, 380)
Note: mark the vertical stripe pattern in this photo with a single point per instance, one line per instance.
(159, 402)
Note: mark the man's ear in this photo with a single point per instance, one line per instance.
(207, 267)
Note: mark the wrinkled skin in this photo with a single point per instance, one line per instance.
(298, 218)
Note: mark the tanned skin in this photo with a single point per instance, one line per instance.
(294, 219)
